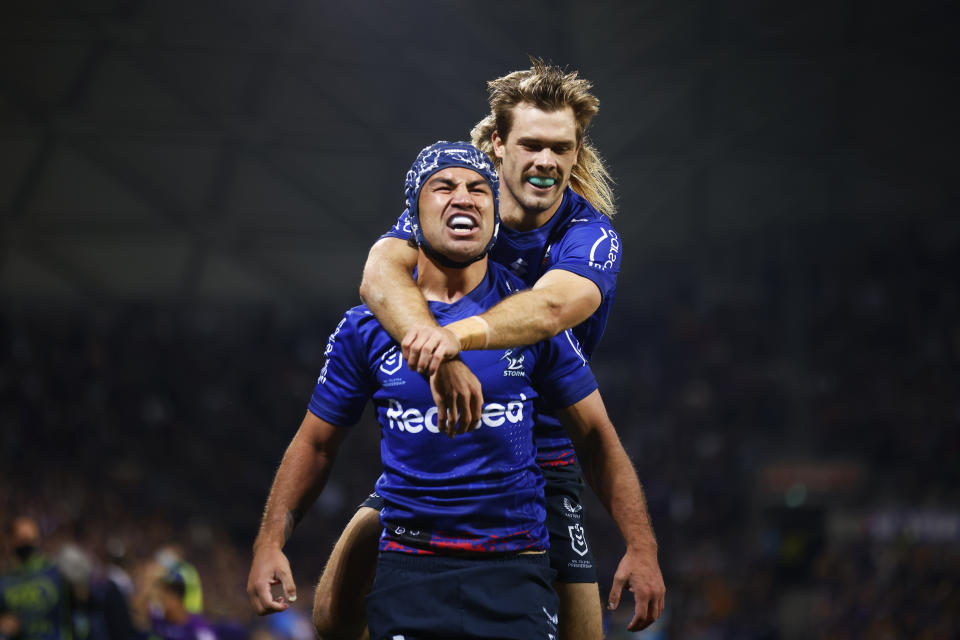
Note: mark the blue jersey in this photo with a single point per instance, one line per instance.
(579, 239)
(481, 491)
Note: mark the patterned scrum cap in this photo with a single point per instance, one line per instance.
(442, 155)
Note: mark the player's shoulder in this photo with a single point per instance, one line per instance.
(360, 332)
(357, 321)
(581, 215)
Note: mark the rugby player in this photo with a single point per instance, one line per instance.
(462, 552)
(556, 204)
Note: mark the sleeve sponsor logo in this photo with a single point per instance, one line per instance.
(610, 259)
(322, 379)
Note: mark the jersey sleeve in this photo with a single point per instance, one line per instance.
(592, 250)
(401, 229)
(562, 376)
(343, 386)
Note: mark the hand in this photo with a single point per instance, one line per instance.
(270, 584)
(426, 346)
(458, 396)
(639, 570)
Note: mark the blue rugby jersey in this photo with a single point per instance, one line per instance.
(579, 239)
(481, 491)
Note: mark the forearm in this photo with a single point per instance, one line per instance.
(559, 300)
(389, 290)
(523, 318)
(608, 469)
(613, 478)
(300, 478)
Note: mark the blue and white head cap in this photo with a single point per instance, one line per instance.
(442, 155)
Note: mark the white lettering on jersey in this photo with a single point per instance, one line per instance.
(322, 379)
(413, 420)
(612, 254)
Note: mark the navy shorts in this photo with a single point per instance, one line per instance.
(418, 597)
(570, 554)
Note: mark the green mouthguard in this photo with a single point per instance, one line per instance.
(542, 182)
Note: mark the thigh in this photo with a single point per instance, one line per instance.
(338, 610)
(581, 611)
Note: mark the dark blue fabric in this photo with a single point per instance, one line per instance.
(482, 491)
(433, 597)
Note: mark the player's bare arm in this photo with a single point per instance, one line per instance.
(611, 475)
(558, 300)
(299, 480)
(389, 290)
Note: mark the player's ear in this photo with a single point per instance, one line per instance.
(498, 144)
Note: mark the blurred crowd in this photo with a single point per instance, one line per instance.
(143, 436)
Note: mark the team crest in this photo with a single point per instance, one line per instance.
(578, 539)
(391, 361)
(514, 364)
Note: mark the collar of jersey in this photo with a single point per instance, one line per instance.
(475, 296)
(563, 215)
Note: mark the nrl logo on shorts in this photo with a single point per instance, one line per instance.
(578, 539)
(514, 365)
(391, 361)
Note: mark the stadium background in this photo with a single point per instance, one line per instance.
(188, 191)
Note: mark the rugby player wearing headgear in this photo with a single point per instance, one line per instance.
(462, 552)
(556, 203)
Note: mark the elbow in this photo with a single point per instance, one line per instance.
(366, 290)
(553, 320)
(371, 291)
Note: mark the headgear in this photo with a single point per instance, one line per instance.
(438, 156)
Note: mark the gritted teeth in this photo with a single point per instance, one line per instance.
(461, 221)
(540, 181)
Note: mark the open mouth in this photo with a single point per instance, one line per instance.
(462, 224)
(542, 182)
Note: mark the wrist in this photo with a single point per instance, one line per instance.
(645, 544)
(473, 333)
(267, 543)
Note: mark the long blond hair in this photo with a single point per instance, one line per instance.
(549, 88)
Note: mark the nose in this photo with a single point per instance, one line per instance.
(545, 158)
(461, 194)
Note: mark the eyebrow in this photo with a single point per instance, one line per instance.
(449, 182)
(547, 143)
